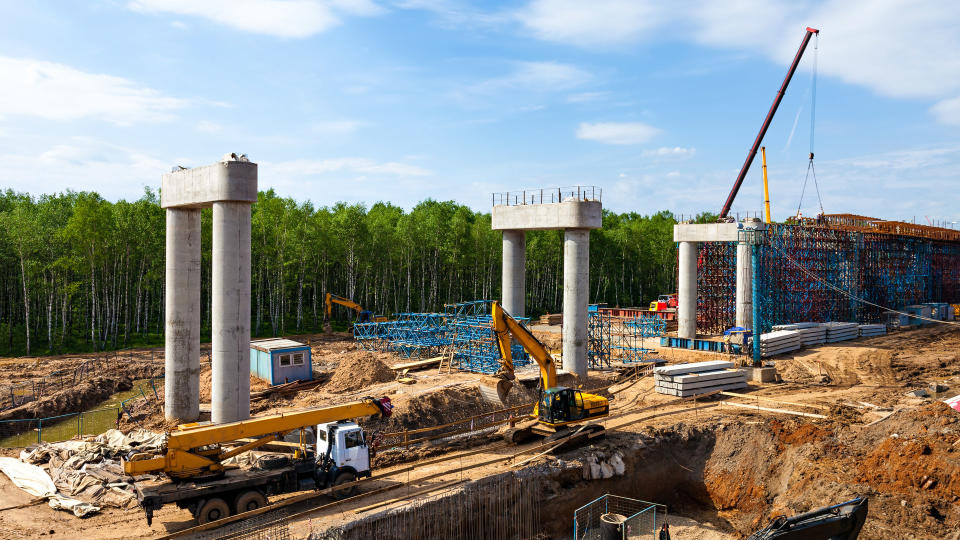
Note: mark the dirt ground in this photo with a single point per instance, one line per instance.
(723, 471)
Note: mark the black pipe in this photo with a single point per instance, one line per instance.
(766, 123)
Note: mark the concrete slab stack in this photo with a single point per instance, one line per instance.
(779, 342)
(810, 333)
(870, 330)
(841, 331)
(685, 380)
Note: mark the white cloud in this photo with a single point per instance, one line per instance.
(675, 152)
(59, 92)
(113, 171)
(617, 132)
(598, 22)
(282, 18)
(893, 48)
(208, 127)
(313, 167)
(338, 127)
(586, 97)
(947, 111)
(538, 76)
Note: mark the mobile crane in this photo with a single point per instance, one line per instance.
(558, 407)
(200, 482)
(363, 315)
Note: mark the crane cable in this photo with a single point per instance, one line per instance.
(813, 116)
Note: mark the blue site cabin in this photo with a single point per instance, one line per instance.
(279, 361)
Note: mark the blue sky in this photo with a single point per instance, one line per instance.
(655, 102)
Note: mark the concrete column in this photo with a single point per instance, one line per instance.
(231, 312)
(744, 286)
(514, 272)
(687, 291)
(182, 319)
(576, 290)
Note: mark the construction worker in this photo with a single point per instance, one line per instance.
(664, 532)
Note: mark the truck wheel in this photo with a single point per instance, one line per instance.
(344, 478)
(213, 510)
(249, 500)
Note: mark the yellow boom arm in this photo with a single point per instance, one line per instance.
(194, 449)
(332, 299)
(505, 326)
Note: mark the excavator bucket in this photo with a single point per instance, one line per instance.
(495, 389)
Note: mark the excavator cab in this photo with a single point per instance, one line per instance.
(560, 406)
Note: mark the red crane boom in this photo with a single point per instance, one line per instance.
(766, 123)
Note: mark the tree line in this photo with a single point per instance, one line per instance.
(80, 273)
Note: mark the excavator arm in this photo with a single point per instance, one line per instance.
(195, 449)
(505, 329)
(332, 299)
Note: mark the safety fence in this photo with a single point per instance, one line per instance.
(24, 432)
(612, 516)
(23, 392)
(547, 195)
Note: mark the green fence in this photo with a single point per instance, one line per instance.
(20, 433)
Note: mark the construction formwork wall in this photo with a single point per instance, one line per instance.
(818, 274)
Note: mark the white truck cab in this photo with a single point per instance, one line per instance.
(345, 444)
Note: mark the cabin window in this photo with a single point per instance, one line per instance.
(298, 359)
(284, 360)
(352, 439)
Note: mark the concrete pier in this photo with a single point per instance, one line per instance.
(230, 400)
(576, 293)
(514, 272)
(182, 320)
(687, 291)
(576, 213)
(230, 187)
(744, 301)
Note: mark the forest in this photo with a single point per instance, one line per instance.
(80, 273)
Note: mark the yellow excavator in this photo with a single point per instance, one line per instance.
(363, 315)
(193, 459)
(558, 407)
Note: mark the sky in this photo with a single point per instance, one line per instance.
(656, 103)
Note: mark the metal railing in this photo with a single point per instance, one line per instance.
(19, 433)
(547, 195)
(640, 518)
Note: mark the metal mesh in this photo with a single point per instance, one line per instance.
(641, 517)
(269, 526)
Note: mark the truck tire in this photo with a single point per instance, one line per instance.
(213, 510)
(344, 478)
(249, 500)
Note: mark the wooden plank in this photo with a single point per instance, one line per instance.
(418, 364)
(768, 409)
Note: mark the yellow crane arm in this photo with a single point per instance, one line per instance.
(505, 326)
(195, 448)
(332, 299)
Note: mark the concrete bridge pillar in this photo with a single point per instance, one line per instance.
(687, 291)
(514, 272)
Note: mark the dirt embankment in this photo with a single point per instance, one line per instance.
(741, 474)
(84, 394)
(358, 370)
